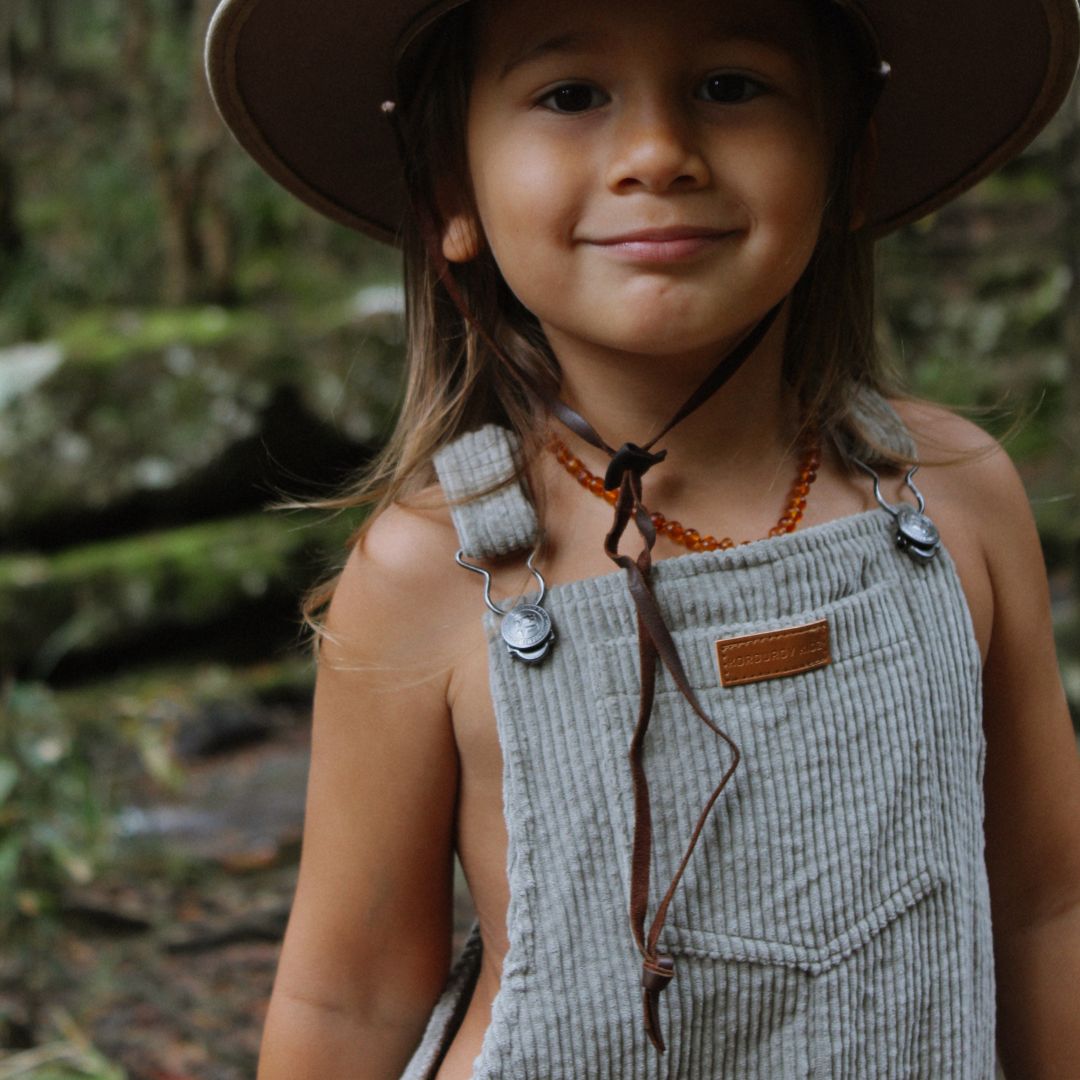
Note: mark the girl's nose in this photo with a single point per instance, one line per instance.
(655, 151)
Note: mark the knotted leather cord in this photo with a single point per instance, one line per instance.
(654, 641)
(627, 466)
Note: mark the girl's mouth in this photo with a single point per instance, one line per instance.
(674, 244)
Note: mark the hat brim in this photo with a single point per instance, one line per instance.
(301, 84)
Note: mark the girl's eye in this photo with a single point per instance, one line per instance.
(730, 88)
(573, 98)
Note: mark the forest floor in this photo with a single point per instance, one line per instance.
(168, 974)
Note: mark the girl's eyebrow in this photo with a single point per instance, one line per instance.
(569, 42)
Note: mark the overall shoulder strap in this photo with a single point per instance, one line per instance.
(491, 511)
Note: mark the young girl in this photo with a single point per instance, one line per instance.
(788, 803)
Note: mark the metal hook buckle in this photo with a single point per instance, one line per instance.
(916, 535)
(526, 629)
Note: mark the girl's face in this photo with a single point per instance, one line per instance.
(650, 178)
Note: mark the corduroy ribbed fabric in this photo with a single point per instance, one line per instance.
(502, 520)
(834, 921)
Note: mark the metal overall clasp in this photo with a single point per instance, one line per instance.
(916, 535)
(526, 629)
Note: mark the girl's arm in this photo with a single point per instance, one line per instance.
(1032, 796)
(368, 942)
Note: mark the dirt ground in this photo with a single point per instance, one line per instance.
(168, 972)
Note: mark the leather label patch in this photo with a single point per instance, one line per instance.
(756, 657)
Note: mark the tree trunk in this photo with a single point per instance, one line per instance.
(210, 218)
(11, 236)
(196, 236)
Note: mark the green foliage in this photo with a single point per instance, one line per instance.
(59, 782)
(111, 146)
(101, 335)
(59, 1061)
(66, 1055)
(53, 828)
(112, 593)
(63, 774)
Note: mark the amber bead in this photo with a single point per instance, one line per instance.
(674, 530)
(596, 485)
(611, 495)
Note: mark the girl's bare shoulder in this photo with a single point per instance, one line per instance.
(962, 461)
(400, 590)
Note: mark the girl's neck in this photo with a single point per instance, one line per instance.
(750, 423)
(730, 464)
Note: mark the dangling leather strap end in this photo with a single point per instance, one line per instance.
(656, 975)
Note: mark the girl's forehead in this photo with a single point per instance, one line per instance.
(517, 26)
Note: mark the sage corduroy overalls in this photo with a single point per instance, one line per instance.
(834, 920)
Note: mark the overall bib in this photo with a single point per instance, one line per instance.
(834, 920)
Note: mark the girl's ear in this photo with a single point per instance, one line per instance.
(460, 238)
(864, 168)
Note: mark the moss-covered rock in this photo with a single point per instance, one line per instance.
(164, 592)
(138, 420)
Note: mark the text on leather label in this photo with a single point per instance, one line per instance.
(772, 655)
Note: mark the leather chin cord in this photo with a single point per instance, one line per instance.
(627, 466)
(625, 469)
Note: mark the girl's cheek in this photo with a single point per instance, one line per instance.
(526, 192)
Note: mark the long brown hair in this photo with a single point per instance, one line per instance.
(456, 382)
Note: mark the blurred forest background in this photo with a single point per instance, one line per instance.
(180, 344)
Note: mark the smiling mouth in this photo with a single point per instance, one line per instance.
(675, 244)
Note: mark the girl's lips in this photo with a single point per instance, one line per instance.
(662, 245)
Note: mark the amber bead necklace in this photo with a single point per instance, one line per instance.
(691, 538)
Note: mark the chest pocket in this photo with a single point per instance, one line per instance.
(831, 827)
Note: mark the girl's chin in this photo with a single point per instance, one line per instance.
(665, 337)
(664, 347)
(664, 329)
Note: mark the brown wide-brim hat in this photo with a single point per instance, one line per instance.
(301, 83)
